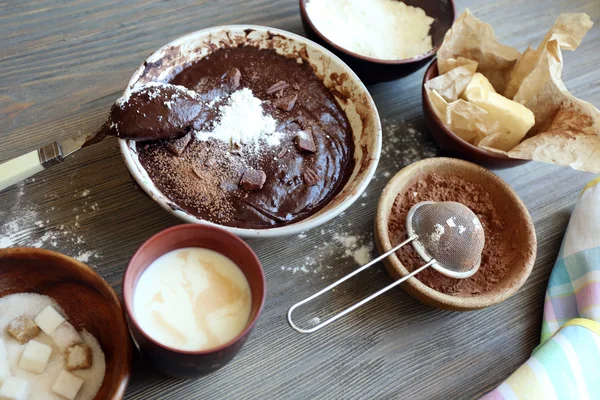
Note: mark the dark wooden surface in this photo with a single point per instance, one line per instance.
(62, 63)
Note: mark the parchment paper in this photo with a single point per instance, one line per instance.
(567, 129)
(475, 40)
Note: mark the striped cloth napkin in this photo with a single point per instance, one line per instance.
(566, 365)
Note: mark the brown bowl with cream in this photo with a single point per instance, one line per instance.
(192, 295)
(510, 242)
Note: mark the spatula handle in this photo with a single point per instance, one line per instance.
(29, 164)
(19, 168)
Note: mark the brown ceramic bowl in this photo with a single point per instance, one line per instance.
(88, 301)
(193, 364)
(523, 233)
(451, 144)
(373, 70)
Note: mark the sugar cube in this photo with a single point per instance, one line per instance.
(35, 357)
(14, 389)
(67, 385)
(23, 328)
(78, 356)
(49, 319)
(65, 336)
(4, 365)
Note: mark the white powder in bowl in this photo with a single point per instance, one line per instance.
(40, 385)
(243, 121)
(382, 29)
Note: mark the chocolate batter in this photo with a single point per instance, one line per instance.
(235, 185)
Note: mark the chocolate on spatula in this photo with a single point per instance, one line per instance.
(154, 111)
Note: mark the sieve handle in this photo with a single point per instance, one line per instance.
(363, 301)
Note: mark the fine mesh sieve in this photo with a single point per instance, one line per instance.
(448, 232)
(447, 235)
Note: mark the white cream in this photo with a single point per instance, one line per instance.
(192, 299)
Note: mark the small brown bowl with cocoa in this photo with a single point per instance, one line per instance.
(376, 67)
(510, 241)
(451, 144)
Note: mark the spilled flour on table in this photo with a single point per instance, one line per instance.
(26, 224)
(353, 246)
(403, 144)
(341, 247)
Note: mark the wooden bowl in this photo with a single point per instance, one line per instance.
(450, 143)
(88, 301)
(500, 191)
(373, 70)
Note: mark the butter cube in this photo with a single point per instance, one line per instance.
(514, 118)
(4, 365)
(35, 357)
(67, 385)
(14, 389)
(479, 81)
(48, 320)
(65, 336)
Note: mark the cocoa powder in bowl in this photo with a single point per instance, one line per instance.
(501, 228)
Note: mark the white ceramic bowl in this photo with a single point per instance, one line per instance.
(350, 92)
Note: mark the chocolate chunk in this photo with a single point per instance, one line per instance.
(286, 103)
(305, 142)
(300, 121)
(253, 179)
(293, 126)
(279, 86)
(177, 146)
(310, 177)
(231, 79)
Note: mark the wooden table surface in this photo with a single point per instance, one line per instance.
(62, 64)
